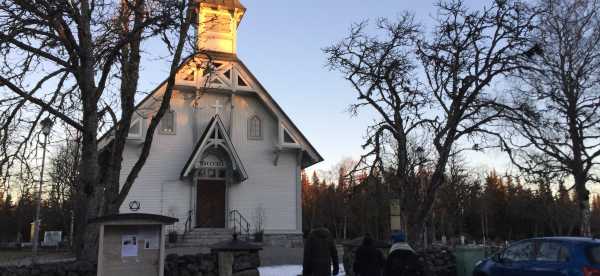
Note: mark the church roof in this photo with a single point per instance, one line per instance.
(224, 3)
(215, 129)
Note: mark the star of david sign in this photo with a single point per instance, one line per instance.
(134, 205)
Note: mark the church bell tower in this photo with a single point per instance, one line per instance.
(218, 21)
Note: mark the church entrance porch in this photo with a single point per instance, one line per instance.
(210, 204)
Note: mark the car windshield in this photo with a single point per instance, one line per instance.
(593, 254)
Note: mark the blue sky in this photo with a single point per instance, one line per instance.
(282, 42)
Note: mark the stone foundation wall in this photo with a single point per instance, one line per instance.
(283, 240)
(244, 264)
(66, 269)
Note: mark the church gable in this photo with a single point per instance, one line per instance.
(214, 141)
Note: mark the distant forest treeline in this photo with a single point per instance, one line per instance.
(497, 207)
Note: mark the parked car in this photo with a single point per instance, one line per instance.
(554, 256)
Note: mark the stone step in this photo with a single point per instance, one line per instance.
(207, 234)
(203, 237)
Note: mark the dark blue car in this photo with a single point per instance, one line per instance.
(564, 256)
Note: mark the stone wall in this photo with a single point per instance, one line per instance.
(244, 264)
(283, 240)
(55, 269)
(438, 261)
(206, 264)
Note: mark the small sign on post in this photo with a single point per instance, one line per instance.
(132, 244)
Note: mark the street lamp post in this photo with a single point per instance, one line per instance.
(46, 127)
(420, 157)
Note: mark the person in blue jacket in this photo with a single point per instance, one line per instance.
(402, 260)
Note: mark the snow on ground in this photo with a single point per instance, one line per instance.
(287, 270)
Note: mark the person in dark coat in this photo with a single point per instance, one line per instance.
(319, 254)
(402, 260)
(369, 260)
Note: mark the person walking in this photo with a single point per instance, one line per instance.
(402, 260)
(320, 254)
(369, 261)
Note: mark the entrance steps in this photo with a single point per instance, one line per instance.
(204, 237)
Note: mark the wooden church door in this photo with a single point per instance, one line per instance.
(210, 204)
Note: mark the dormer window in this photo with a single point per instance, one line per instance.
(255, 128)
(167, 123)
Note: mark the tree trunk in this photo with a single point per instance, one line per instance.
(87, 188)
(583, 198)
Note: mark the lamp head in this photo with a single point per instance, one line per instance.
(420, 153)
(46, 126)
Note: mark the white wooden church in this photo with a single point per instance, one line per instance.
(225, 147)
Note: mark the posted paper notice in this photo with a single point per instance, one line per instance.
(129, 246)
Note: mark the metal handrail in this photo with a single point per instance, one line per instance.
(240, 223)
(188, 222)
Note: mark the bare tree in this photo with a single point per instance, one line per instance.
(555, 109)
(382, 72)
(433, 87)
(89, 52)
(470, 51)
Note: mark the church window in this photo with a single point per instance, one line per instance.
(167, 123)
(254, 128)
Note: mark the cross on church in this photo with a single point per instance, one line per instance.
(217, 106)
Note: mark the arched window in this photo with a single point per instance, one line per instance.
(167, 123)
(254, 128)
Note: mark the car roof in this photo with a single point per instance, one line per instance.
(570, 239)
